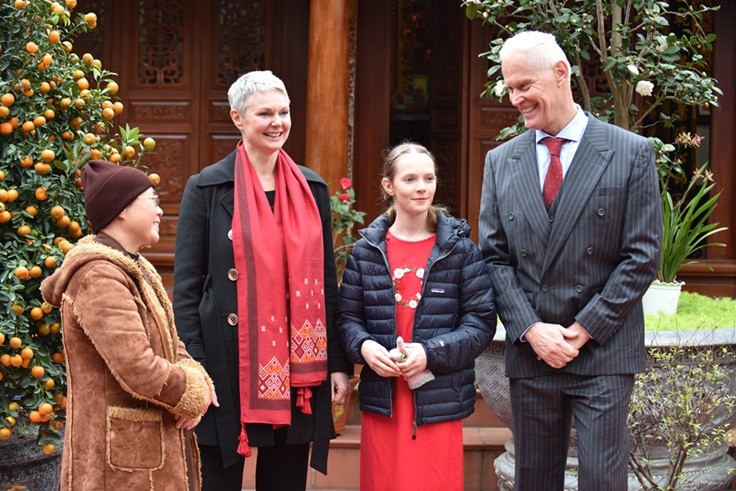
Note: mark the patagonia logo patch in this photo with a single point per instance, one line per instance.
(437, 290)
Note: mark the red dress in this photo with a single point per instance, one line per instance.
(389, 457)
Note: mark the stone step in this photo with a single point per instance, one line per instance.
(482, 446)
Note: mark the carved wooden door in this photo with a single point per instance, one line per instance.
(175, 60)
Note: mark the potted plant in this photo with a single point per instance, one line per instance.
(680, 412)
(677, 423)
(685, 215)
(682, 407)
(344, 219)
(56, 112)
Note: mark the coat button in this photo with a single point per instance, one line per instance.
(601, 212)
(589, 250)
(579, 288)
(232, 319)
(510, 216)
(551, 218)
(232, 274)
(524, 253)
(545, 288)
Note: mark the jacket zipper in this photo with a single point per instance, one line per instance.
(424, 285)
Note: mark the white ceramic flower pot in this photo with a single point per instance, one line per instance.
(662, 297)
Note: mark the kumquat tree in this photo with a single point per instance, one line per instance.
(57, 111)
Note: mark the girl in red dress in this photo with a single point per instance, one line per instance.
(416, 275)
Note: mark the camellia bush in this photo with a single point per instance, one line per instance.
(651, 53)
(57, 111)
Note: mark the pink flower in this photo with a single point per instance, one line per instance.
(344, 197)
(346, 184)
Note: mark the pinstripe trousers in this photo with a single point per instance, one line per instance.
(543, 408)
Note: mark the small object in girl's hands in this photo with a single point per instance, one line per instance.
(399, 355)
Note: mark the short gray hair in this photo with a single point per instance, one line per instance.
(250, 83)
(540, 49)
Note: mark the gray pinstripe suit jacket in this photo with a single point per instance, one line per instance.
(590, 258)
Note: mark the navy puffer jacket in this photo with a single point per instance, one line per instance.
(455, 319)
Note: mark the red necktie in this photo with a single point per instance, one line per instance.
(553, 180)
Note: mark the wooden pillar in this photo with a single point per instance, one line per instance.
(328, 81)
(372, 103)
(723, 132)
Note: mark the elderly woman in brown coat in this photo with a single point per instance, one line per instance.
(134, 392)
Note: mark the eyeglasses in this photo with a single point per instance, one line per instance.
(155, 198)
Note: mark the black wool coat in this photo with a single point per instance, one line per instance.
(206, 313)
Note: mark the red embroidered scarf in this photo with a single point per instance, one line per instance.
(279, 255)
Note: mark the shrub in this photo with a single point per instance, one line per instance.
(681, 407)
(56, 112)
(344, 219)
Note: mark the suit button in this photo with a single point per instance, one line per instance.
(232, 319)
(601, 212)
(524, 253)
(545, 288)
(551, 218)
(232, 274)
(510, 216)
(579, 288)
(589, 250)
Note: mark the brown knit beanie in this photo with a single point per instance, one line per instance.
(108, 189)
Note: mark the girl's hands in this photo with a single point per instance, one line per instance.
(415, 362)
(377, 357)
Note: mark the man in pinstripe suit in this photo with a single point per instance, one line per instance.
(569, 276)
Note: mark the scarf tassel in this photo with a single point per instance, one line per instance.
(243, 447)
(303, 395)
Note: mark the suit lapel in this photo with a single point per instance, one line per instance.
(591, 159)
(525, 182)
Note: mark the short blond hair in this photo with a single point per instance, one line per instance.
(251, 83)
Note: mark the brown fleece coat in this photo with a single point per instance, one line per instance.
(128, 375)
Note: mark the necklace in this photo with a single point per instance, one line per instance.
(396, 277)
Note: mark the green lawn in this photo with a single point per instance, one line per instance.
(696, 312)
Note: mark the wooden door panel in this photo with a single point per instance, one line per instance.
(446, 114)
(233, 33)
(487, 118)
(372, 103)
(159, 77)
